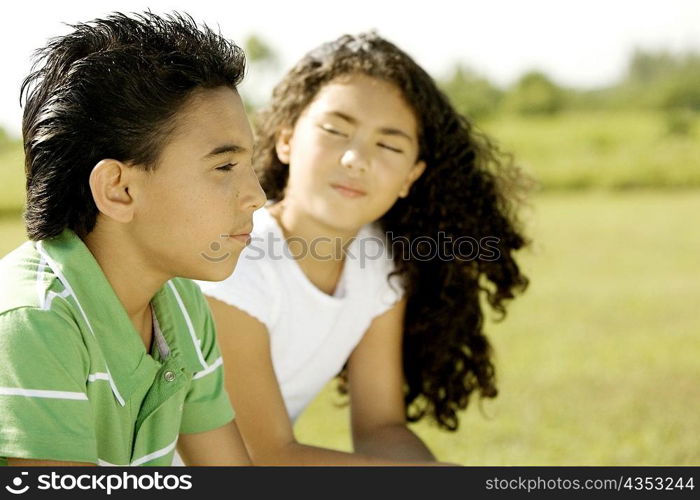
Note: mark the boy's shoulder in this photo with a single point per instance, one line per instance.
(26, 281)
(33, 302)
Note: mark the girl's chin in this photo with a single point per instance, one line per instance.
(339, 217)
(335, 214)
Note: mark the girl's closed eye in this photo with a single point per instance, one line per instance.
(332, 130)
(389, 147)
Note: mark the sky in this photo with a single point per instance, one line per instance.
(578, 43)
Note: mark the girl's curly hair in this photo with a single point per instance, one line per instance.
(469, 188)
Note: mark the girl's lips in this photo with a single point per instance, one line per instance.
(348, 192)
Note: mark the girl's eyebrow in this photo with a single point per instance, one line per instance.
(396, 132)
(343, 116)
(383, 131)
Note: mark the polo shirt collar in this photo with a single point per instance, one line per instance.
(129, 365)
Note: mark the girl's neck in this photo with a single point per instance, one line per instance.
(319, 250)
(309, 236)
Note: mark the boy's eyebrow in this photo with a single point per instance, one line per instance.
(383, 131)
(226, 148)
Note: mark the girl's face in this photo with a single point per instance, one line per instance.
(352, 153)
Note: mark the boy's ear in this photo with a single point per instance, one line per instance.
(109, 183)
(283, 145)
(416, 171)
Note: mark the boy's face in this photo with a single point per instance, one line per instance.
(195, 208)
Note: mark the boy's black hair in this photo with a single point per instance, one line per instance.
(110, 89)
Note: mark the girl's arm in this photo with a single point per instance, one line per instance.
(255, 394)
(222, 446)
(375, 374)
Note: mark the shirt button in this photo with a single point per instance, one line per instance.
(169, 376)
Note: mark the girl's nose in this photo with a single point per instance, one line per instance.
(352, 159)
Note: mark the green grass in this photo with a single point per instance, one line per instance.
(598, 363)
(11, 178)
(606, 150)
(11, 232)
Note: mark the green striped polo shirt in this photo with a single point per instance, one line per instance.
(76, 382)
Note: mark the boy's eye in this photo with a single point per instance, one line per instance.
(332, 130)
(227, 167)
(390, 148)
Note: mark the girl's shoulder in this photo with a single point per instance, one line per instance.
(372, 252)
(373, 240)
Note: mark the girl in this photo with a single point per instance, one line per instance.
(389, 219)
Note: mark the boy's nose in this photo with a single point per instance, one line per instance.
(253, 196)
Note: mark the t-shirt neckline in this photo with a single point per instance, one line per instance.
(343, 281)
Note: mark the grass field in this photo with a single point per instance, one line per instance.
(608, 150)
(599, 362)
(11, 178)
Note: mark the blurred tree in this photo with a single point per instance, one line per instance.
(681, 90)
(535, 94)
(263, 72)
(470, 93)
(646, 67)
(663, 80)
(258, 51)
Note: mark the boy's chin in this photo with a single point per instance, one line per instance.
(215, 270)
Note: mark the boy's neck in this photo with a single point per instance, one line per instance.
(134, 282)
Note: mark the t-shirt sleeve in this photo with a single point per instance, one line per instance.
(207, 405)
(44, 408)
(251, 288)
(388, 288)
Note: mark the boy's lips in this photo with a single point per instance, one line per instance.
(243, 235)
(349, 190)
(243, 238)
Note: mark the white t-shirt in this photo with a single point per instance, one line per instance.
(312, 334)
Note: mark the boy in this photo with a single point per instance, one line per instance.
(138, 164)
